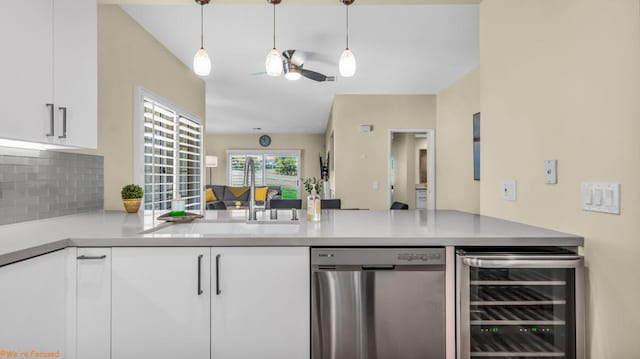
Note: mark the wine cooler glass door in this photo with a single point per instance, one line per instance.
(520, 306)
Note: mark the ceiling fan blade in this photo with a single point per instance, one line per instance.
(316, 76)
(261, 73)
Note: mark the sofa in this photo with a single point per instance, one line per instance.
(227, 196)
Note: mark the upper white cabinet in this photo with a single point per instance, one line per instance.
(32, 305)
(48, 71)
(161, 302)
(260, 303)
(26, 69)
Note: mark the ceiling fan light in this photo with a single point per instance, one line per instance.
(347, 64)
(293, 75)
(273, 65)
(202, 63)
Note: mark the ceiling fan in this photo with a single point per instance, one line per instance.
(293, 66)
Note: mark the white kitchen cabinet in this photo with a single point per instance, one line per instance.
(26, 69)
(93, 303)
(260, 303)
(161, 303)
(49, 63)
(32, 305)
(75, 71)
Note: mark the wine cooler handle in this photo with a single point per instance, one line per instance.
(524, 261)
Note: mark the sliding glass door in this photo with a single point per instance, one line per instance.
(273, 168)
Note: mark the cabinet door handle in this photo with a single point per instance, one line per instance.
(51, 124)
(83, 257)
(64, 122)
(218, 291)
(200, 291)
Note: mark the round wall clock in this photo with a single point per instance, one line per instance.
(265, 140)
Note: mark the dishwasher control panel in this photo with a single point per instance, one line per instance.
(378, 256)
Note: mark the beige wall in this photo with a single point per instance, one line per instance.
(561, 80)
(362, 158)
(128, 56)
(311, 145)
(456, 105)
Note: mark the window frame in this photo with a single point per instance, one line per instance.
(140, 93)
(290, 153)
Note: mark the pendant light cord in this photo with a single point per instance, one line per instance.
(201, 26)
(274, 25)
(347, 6)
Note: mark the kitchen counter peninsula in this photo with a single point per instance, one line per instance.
(350, 228)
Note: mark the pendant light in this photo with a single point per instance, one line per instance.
(201, 61)
(273, 65)
(347, 64)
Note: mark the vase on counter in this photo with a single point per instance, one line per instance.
(313, 206)
(326, 190)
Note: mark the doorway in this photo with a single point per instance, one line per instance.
(412, 167)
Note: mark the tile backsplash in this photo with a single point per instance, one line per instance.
(42, 184)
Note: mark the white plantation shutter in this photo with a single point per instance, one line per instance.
(189, 162)
(172, 158)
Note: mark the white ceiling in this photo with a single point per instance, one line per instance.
(417, 49)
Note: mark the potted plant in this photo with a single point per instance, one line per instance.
(131, 197)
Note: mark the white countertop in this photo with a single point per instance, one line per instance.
(227, 228)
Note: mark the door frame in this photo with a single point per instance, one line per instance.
(431, 163)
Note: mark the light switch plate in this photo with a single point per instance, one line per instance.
(551, 171)
(509, 190)
(601, 197)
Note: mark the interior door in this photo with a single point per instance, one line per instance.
(260, 304)
(160, 303)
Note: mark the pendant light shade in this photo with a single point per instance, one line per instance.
(201, 60)
(273, 64)
(202, 63)
(347, 64)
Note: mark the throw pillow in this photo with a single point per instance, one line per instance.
(272, 194)
(261, 194)
(209, 195)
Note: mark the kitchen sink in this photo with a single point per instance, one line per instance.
(231, 228)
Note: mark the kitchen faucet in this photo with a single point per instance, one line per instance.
(250, 174)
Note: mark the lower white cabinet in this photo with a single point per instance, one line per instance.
(161, 304)
(169, 302)
(32, 305)
(260, 306)
(93, 303)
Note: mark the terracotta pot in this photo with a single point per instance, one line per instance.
(132, 205)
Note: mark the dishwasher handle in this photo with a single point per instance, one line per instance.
(524, 261)
(378, 267)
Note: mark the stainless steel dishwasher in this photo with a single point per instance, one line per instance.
(377, 303)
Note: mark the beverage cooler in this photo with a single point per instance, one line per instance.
(520, 305)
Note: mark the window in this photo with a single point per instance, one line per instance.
(171, 154)
(273, 168)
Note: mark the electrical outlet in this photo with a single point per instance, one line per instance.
(509, 190)
(550, 171)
